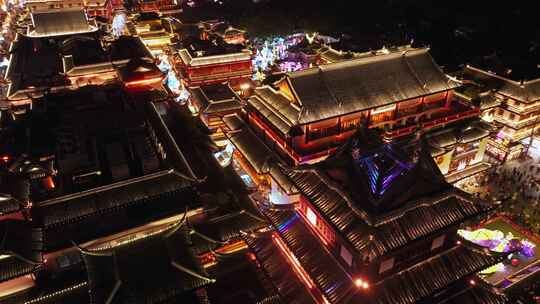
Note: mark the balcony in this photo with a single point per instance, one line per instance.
(516, 124)
(439, 118)
(523, 110)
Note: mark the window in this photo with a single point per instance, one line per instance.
(311, 216)
(512, 116)
(500, 112)
(350, 124)
(346, 255)
(386, 265)
(384, 113)
(381, 117)
(322, 132)
(438, 242)
(434, 104)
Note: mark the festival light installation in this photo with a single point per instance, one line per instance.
(269, 52)
(173, 83)
(497, 241)
(119, 24)
(224, 157)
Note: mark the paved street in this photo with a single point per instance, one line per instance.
(516, 185)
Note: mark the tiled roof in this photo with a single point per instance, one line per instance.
(156, 268)
(216, 98)
(258, 155)
(276, 108)
(423, 279)
(379, 235)
(32, 67)
(450, 137)
(18, 249)
(365, 83)
(280, 273)
(8, 204)
(230, 226)
(472, 134)
(213, 59)
(325, 271)
(275, 299)
(12, 267)
(478, 294)
(526, 91)
(107, 198)
(233, 122)
(61, 22)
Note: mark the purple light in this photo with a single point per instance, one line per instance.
(374, 173)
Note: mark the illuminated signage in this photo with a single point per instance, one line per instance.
(311, 216)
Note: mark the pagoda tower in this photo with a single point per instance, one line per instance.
(375, 223)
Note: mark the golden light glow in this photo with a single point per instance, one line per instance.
(144, 82)
(300, 272)
(361, 283)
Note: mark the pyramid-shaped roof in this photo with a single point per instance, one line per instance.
(385, 175)
(380, 197)
(153, 269)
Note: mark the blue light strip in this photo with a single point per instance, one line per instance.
(285, 225)
(374, 173)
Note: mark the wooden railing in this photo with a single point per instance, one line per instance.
(432, 123)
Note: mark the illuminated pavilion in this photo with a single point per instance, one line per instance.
(308, 114)
(510, 104)
(376, 223)
(201, 62)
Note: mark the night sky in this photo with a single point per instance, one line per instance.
(457, 31)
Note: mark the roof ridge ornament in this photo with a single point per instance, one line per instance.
(192, 272)
(100, 253)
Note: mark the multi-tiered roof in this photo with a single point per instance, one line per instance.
(351, 86)
(380, 199)
(157, 268)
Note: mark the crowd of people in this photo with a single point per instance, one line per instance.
(516, 187)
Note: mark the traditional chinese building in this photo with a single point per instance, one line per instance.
(158, 5)
(57, 59)
(102, 8)
(223, 30)
(511, 105)
(141, 74)
(148, 182)
(211, 103)
(459, 152)
(375, 223)
(156, 266)
(149, 27)
(52, 5)
(60, 23)
(328, 54)
(306, 115)
(202, 62)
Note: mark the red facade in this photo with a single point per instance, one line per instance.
(157, 5)
(320, 138)
(103, 10)
(234, 73)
